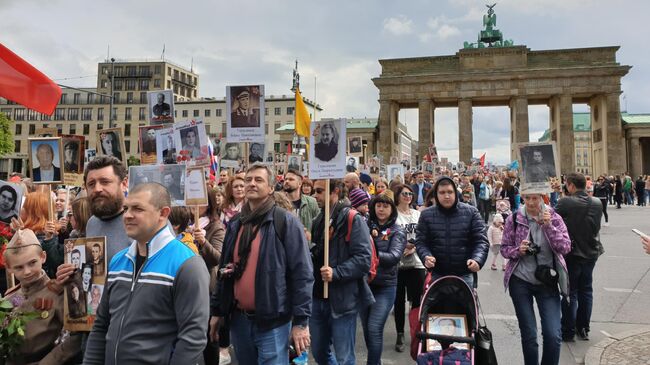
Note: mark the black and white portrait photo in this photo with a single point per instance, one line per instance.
(46, 157)
(161, 106)
(256, 152)
(165, 147)
(294, 163)
(538, 162)
(231, 155)
(110, 142)
(327, 150)
(173, 178)
(244, 107)
(190, 136)
(72, 154)
(393, 171)
(355, 146)
(75, 296)
(327, 141)
(10, 197)
(352, 163)
(147, 140)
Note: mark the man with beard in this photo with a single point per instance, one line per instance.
(305, 207)
(106, 182)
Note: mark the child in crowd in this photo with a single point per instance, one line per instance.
(359, 200)
(495, 234)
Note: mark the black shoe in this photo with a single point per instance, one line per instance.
(399, 344)
(583, 334)
(568, 339)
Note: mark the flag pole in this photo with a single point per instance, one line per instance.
(326, 241)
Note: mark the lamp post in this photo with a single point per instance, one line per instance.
(110, 111)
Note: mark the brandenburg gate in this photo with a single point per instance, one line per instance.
(513, 76)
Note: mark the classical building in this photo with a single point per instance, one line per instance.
(582, 145)
(84, 111)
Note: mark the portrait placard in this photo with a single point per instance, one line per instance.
(73, 159)
(294, 162)
(393, 171)
(539, 165)
(355, 146)
(351, 163)
(110, 142)
(148, 146)
(195, 188)
(84, 290)
(89, 155)
(191, 143)
(45, 158)
(11, 197)
(165, 146)
(171, 177)
(427, 167)
(161, 106)
(327, 149)
(244, 111)
(231, 154)
(255, 152)
(448, 325)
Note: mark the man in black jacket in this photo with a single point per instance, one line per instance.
(334, 320)
(420, 190)
(450, 236)
(581, 215)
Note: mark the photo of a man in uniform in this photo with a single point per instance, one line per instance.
(539, 166)
(148, 138)
(294, 163)
(355, 145)
(327, 146)
(45, 156)
(171, 182)
(71, 156)
(351, 165)
(243, 115)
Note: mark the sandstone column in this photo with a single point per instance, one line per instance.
(425, 127)
(636, 156)
(613, 136)
(566, 143)
(518, 124)
(384, 129)
(465, 130)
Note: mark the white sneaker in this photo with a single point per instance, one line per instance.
(224, 360)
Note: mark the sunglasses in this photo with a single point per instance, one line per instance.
(407, 193)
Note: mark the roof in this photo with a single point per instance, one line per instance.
(581, 123)
(351, 124)
(635, 118)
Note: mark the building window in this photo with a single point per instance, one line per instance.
(118, 71)
(266, 128)
(32, 129)
(76, 98)
(145, 71)
(118, 85)
(7, 112)
(104, 84)
(86, 143)
(184, 113)
(223, 129)
(116, 98)
(86, 129)
(114, 114)
(207, 129)
(130, 84)
(19, 129)
(86, 114)
(217, 112)
(277, 126)
(64, 97)
(127, 146)
(127, 130)
(157, 69)
(143, 98)
(17, 147)
(100, 114)
(104, 70)
(59, 114)
(100, 126)
(127, 113)
(169, 84)
(141, 115)
(129, 98)
(278, 111)
(144, 84)
(289, 110)
(130, 71)
(175, 113)
(32, 114)
(196, 113)
(73, 114)
(266, 111)
(90, 99)
(59, 128)
(156, 83)
(45, 117)
(169, 71)
(207, 113)
(73, 128)
(19, 114)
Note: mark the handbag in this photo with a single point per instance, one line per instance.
(484, 350)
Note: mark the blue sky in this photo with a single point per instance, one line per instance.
(336, 42)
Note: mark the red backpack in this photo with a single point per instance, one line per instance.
(374, 259)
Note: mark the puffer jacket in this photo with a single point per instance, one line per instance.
(556, 234)
(452, 236)
(390, 245)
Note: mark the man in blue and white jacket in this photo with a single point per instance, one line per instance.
(154, 309)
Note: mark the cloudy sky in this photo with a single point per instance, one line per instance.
(337, 43)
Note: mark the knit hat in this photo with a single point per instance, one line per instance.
(365, 178)
(358, 197)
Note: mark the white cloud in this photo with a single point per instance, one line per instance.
(399, 25)
(447, 31)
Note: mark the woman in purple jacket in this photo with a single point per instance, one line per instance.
(534, 245)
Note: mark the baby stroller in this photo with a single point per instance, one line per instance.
(447, 299)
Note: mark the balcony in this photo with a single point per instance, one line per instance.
(130, 75)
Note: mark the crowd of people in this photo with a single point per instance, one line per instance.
(254, 272)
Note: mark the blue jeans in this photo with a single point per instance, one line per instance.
(373, 319)
(548, 304)
(327, 331)
(253, 346)
(576, 313)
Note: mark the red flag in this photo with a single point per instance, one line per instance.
(22, 83)
(288, 149)
(483, 160)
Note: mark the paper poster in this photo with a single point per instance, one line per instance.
(191, 143)
(171, 177)
(110, 142)
(327, 150)
(73, 159)
(161, 107)
(45, 160)
(352, 163)
(195, 188)
(148, 145)
(539, 165)
(355, 146)
(11, 197)
(245, 113)
(393, 171)
(231, 155)
(165, 146)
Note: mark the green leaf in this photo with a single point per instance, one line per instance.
(5, 304)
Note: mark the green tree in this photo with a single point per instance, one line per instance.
(7, 143)
(133, 161)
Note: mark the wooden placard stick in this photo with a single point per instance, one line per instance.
(197, 215)
(326, 241)
(50, 205)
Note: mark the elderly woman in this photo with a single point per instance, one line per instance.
(534, 240)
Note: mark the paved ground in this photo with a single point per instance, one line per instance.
(621, 297)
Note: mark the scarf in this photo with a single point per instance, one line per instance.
(250, 221)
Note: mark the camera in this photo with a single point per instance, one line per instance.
(532, 250)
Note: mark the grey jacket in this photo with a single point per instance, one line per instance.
(158, 315)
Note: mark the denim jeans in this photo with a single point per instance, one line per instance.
(576, 313)
(253, 346)
(548, 305)
(326, 331)
(373, 319)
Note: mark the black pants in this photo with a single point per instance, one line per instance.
(484, 208)
(410, 282)
(604, 202)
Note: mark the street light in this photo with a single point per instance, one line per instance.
(110, 111)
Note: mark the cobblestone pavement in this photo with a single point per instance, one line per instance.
(630, 348)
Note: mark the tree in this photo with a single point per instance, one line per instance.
(7, 144)
(133, 161)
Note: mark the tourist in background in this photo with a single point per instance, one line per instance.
(234, 198)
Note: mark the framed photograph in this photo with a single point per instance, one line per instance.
(374, 165)
(255, 152)
(195, 189)
(89, 155)
(73, 159)
(170, 176)
(351, 163)
(84, 290)
(245, 113)
(428, 167)
(280, 169)
(355, 146)
(11, 197)
(269, 157)
(46, 132)
(394, 160)
(161, 106)
(45, 159)
(294, 162)
(393, 171)
(165, 146)
(147, 141)
(191, 143)
(448, 325)
(110, 142)
(539, 165)
(327, 150)
(231, 155)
